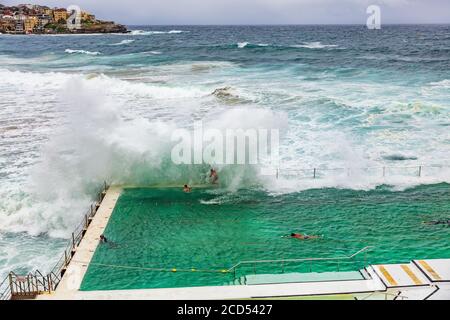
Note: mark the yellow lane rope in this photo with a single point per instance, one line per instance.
(158, 269)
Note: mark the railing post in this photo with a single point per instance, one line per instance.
(73, 240)
(384, 172)
(365, 259)
(277, 174)
(86, 221)
(11, 284)
(314, 173)
(49, 283)
(420, 171)
(65, 259)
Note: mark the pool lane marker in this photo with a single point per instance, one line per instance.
(430, 270)
(388, 276)
(411, 274)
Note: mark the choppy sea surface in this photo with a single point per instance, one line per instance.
(78, 110)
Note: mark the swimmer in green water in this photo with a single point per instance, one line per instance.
(302, 236)
(110, 244)
(436, 222)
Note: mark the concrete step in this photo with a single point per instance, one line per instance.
(295, 277)
(400, 275)
(442, 292)
(435, 270)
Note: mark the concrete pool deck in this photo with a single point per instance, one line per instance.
(418, 280)
(71, 281)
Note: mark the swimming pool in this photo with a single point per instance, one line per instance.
(162, 238)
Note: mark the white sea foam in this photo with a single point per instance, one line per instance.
(151, 32)
(103, 128)
(91, 53)
(314, 45)
(123, 42)
(441, 84)
(242, 45)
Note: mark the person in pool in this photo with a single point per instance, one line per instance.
(213, 176)
(435, 222)
(187, 188)
(103, 239)
(302, 236)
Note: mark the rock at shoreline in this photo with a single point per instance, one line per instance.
(107, 27)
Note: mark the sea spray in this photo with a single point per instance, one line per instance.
(98, 141)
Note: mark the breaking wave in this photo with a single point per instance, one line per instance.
(123, 42)
(91, 53)
(100, 137)
(314, 45)
(146, 33)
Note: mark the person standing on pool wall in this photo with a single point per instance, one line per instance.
(213, 176)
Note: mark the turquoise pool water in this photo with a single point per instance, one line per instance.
(210, 230)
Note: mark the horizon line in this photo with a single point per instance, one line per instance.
(291, 24)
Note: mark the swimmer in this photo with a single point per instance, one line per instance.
(213, 176)
(435, 222)
(187, 188)
(103, 239)
(110, 244)
(301, 236)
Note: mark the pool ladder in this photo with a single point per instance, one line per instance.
(284, 262)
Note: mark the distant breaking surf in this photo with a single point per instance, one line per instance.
(308, 45)
(145, 33)
(314, 45)
(91, 53)
(123, 42)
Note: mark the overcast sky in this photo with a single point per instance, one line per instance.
(257, 11)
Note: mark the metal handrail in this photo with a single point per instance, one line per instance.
(233, 268)
(386, 294)
(35, 282)
(370, 167)
(5, 294)
(316, 170)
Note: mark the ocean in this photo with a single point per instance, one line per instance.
(77, 110)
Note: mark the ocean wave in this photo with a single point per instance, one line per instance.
(242, 45)
(307, 45)
(123, 42)
(441, 84)
(154, 52)
(314, 45)
(151, 32)
(91, 53)
(105, 128)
